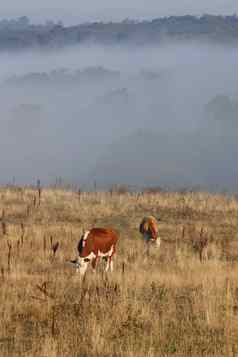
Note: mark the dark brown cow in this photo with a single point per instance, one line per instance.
(96, 243)
(150, 230)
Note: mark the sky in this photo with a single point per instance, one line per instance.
(76, 11)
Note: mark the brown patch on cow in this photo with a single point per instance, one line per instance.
(149, 225)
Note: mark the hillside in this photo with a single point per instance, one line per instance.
(18, 34)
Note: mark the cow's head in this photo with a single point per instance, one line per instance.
(81, 263)
(154, 241)
(157, 241)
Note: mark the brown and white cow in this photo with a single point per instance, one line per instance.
(149, 228)
(96, 243)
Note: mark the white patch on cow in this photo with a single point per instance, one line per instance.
(82, 264)
(82, 267)
(111, 265)
(86, 235)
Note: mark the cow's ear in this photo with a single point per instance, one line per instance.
(86, 260)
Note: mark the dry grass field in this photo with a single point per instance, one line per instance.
(168, 303)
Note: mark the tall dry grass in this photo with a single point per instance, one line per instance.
(170, 303)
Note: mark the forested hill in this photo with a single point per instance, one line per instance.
(21, 34)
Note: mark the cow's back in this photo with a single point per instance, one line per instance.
(99, 239)
(153, 223)
(103, 238)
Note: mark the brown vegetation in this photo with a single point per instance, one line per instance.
(182, 300)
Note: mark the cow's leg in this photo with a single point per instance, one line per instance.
(148, 249)
(158, 242)
(108, 264)
(110, 259)
(111, 264)
(94, 263)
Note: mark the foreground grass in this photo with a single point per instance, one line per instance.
(166, 304)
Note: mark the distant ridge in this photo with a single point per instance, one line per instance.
(19, 34)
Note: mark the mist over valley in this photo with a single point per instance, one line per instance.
(163, 115)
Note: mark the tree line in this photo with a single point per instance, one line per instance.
(20, 33)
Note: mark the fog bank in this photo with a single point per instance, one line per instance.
(143, 116)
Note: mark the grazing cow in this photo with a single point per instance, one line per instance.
(149, 230)
(96, 243)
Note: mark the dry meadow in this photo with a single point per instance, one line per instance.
(168, 303)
